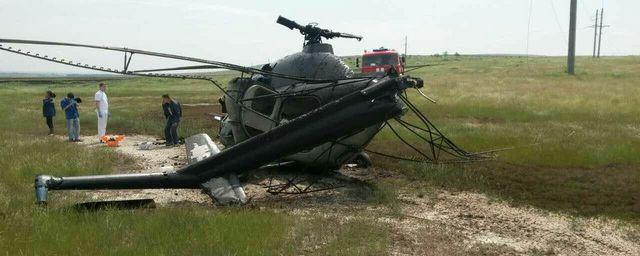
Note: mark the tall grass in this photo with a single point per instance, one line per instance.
(587, 120)
(146, 232)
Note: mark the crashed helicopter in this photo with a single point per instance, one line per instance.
(307, 109)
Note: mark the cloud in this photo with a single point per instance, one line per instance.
(230, 10)
(205, 6)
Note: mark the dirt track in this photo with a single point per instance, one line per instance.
(524, 230)
(442, 223)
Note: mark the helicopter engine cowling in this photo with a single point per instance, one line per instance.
(316, 61)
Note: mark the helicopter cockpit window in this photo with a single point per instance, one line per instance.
(297, 106)
(262, 105)
(379, 60)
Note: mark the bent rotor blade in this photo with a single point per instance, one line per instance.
(219, 64)
(416, 67)
(176, 68)
(425, 96)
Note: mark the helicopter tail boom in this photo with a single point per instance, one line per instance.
(44, 183)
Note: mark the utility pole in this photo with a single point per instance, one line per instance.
(600, 36)
(571, 58)
(595, 34)
(405, 46)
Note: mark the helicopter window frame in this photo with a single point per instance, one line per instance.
(316, 103)
(256, 91)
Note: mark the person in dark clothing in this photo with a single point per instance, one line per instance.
(70, 107)
(173, 112)
(49, 109)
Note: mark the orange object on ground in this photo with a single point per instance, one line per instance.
(112, 140)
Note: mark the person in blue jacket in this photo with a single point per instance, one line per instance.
(49, 109)
(70, 107)
(173, 112)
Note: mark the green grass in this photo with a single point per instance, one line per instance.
(135, 104)
(585, 130)
(494, 102)
(585, 162)
(150, 232)
(61, 230)
(333, 236)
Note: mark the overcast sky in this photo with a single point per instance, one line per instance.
(245, 32)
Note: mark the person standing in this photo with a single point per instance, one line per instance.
(173, 112)
(49, 109)
(70, 107)
(102, 109)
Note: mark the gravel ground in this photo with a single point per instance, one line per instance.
(158, 158)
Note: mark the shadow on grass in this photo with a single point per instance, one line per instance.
(116, 205)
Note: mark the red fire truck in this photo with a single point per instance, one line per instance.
(381, 60)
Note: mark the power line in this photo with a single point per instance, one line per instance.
(555, 15)
(529, 25)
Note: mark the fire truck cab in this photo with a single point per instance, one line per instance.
(381, 60)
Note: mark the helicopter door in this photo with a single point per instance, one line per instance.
(260, 119)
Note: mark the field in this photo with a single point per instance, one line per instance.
(573, 145)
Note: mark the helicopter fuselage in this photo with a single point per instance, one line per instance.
(252, 111)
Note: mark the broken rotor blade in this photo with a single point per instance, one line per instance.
(425, 96)
(177, 68)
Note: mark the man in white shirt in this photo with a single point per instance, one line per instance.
(102, 109)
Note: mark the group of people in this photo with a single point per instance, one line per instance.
(70, 105)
